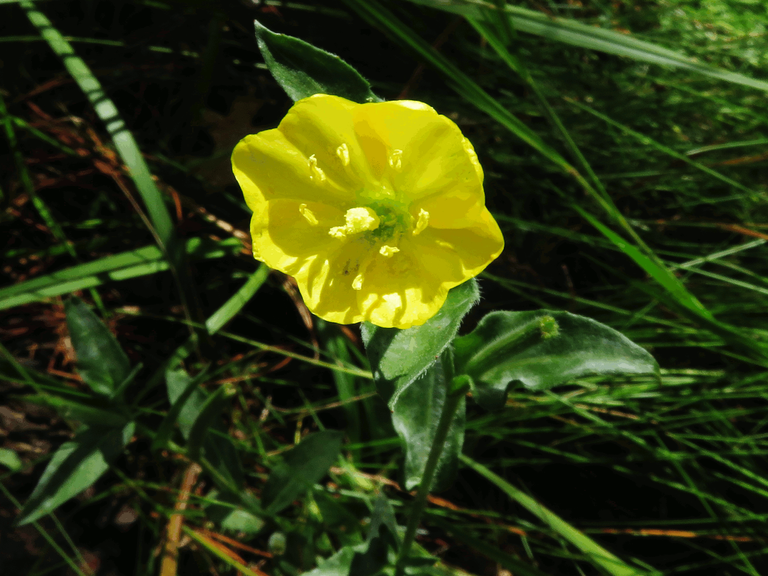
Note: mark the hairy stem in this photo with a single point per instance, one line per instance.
(452, 400)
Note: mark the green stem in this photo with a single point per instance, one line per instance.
(452, 400)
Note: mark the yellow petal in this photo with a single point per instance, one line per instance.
(322, 125)
(429, 149)
(397, 292)
(326, 282)
(267, 166)
(331, 189)
(286, 240)
(456, 255)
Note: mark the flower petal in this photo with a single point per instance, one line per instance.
(456, 255)
(326, 282)
(431, 152)
(286, 234)
(268, 166)
(322, 125)
(398, 293)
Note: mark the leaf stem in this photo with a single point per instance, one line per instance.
(452, 400)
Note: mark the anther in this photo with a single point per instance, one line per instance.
(343, 153)
(396, 159)
(308, 215)
(388, 251)
(315, 173)
(421, 222)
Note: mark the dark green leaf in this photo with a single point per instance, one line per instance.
(383, 522)
(228, 513)
(120, 390)
(304, 70)
(217, 447)
(100, 360)
(416, 416)
(370, 557)
(187, 386)
(398, 357)
(542, 349)
(302, 467)
(360, 560)
(90, 412)
(207, 419)
(74, 467)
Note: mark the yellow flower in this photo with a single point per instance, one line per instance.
(376, 210)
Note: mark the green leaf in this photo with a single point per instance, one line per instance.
(217, 447)
(74, 467)
(370, 557)
(90, 412)
(302, 467)
(187, 386)
(383, 522)
(541, 349)
(10, 459)
(211, 409)
(416, 416)
(361, 560)
(228, 513)
(304, 70)
(100, 360)
(398, 357)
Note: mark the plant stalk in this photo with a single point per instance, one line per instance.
(452, 399)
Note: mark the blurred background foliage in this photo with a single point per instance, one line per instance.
(653, 223)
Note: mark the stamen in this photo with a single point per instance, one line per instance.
(315, 173)
(396, 160)
(343, 153)
(308, 215)
(388, 251)
(421, 222)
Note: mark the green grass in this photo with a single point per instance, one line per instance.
(625, 165)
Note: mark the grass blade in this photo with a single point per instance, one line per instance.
(599, 555)
(124, 141)
(585, 36)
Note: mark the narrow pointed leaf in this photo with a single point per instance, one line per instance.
(304, 70)
(89, 412)
(208, 417)
(100, 360)
(217, 446)
(75, 466)
(302, 467)
(187, 386)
